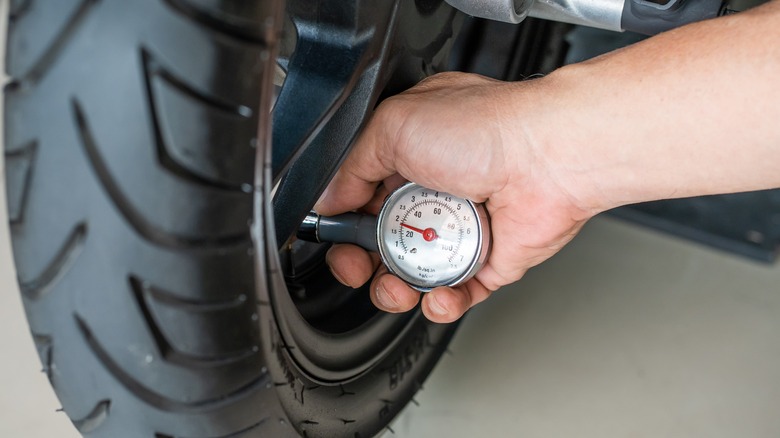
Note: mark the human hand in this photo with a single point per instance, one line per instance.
(462, 134)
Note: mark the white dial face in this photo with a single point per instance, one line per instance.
(429, 238)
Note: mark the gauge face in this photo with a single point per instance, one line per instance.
(431, 238)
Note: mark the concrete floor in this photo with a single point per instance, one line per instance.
(626, 333)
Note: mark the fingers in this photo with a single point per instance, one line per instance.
(391, 294)
(351, 265)
(442, 304)
(447, 304)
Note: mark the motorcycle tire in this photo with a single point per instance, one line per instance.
(132, 131)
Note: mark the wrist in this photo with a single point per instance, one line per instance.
(551, 111)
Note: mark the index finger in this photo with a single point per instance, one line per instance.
(364, 168)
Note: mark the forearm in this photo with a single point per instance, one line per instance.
(690, 112)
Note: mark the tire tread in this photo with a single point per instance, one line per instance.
(42, 66)
(73, 199)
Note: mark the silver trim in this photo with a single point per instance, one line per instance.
(310, 226)
(483, 244)
(508, 11)
(601, 14)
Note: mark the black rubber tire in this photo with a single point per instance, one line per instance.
(130, 147)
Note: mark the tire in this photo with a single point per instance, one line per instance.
(130, 145)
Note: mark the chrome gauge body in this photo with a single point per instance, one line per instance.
(430, 238)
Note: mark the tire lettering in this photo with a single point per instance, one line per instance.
(410, 355)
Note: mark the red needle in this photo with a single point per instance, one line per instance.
(428, 233)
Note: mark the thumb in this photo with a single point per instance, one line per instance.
(369, 163)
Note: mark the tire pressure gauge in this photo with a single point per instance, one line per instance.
(426, 238)
(430, 238)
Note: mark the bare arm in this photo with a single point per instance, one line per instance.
(693, 111)
(690, 112)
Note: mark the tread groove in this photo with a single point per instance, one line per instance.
(60, 264)
(344, 392)
(95, 418)
(187, 304)
(145, 229)
(156, 399)
(59, 42)
(45, 346)
(153, 69)
(142, 291)
(23, 155)
(18, 9)
(204, 18)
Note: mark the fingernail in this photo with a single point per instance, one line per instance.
(333, 272)
(385, 299)
(435, 306)
(338, 277)
(320, 201)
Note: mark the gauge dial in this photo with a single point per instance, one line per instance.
(430, 238)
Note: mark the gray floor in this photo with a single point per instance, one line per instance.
(626, 333)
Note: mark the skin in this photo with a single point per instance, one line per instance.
(692, 111)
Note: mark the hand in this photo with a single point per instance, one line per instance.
(462, 134)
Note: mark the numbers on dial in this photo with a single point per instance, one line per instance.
(427, 237)
(418, 239)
